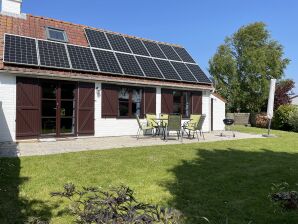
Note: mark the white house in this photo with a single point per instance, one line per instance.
(294, 100)
(60, 79)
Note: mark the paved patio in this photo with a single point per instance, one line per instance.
(53, 146)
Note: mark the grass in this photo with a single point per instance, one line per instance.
(222, 181)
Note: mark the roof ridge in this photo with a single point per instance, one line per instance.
(104, 30)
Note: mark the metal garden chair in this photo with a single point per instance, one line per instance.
(196, 127)
(174, 124)
(142, 127)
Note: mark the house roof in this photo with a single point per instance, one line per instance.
(219, 97)
(34, 27)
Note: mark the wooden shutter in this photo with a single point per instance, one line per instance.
(197, 102)
(149, 100)
(166, 101)
(109, 96)
(86, 108)
(28, 108)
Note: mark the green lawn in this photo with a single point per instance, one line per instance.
(223, 180)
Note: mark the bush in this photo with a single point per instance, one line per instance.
(282, 196)
(116, 206)
(282, 116)
(294, 121)
(262, 120)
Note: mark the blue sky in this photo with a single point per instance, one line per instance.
(200, 26)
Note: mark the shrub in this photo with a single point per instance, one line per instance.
(283, 197)
(282, 117)
(294, 121)
(262, 120)
(116, 206)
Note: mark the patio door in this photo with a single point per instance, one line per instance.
(58, 104)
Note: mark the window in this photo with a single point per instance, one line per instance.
(56, 34)
(129, 102)
(181, 103)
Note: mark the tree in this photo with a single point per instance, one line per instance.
(283, 92)
(244, 64)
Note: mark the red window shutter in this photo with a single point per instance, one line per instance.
(28, 108)
(149, 100)
(86, 108)
(109, 96)
(197, 102)
(167, 101)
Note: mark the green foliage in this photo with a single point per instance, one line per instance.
(294, 120)
(116, 206)
(282, 196)
(244, 64)
(282, 116)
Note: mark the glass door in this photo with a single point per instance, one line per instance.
(49, 108)
(67, 109)
(58, 108)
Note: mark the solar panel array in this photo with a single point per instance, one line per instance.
(20, 50)
(81, 58)
(53, 54)
(108, 53)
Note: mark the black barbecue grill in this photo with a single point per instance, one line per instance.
(228, 126)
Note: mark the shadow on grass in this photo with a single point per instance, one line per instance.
(13, 207)
(232, 185)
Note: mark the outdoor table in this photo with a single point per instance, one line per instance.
(160, 125)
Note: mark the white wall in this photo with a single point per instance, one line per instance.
(8, 107)
(219, 113)
(206, 103)
(295, 101)
(111, 126)
(117, 127)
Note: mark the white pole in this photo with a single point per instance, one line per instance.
(270, 106)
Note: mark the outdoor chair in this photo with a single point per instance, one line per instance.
(173, 124)
(142, 127)
(197, 128)
(193, 122)
(151, 121)
(164, 121)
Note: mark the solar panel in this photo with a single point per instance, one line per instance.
(20, 50)
(129, 64)
(198, 73)
(149, 67)
(184, 55)
(137, 46)
(169, 52)
(167, 69)
(53, 54)
(154, 49)
(107, 61)
(97, 39)
(81, 58)
(118, 43)
(183, 71)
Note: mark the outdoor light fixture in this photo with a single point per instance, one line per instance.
(98, 91)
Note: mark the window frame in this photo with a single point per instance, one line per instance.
(182, 92)
(48, 28)
(130, 102)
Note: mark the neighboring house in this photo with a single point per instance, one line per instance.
(294, 100)
(59, 79)
(218, 112)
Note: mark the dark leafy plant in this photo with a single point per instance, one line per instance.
(115, 206)
(283, 92)
(36, 220)
(283, 197)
